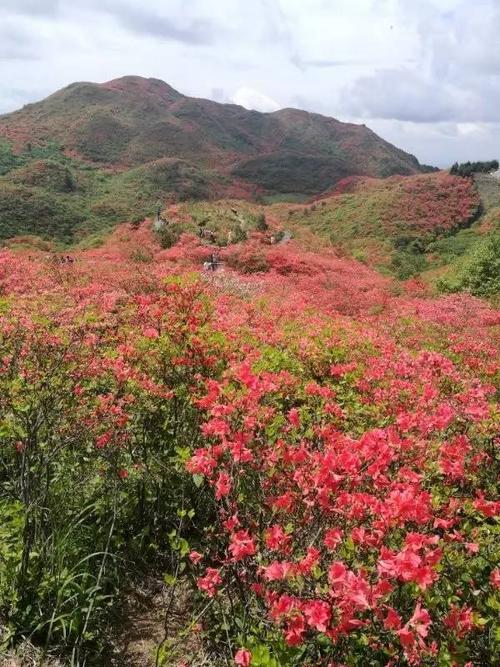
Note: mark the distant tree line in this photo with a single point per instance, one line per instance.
(428, 169)
(469, 168)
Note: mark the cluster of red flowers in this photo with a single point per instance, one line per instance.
(348, 454)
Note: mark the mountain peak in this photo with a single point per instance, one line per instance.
(142, 85)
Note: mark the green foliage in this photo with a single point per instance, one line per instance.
(470, 168)
(238, 234)
(288, 172)
(36, 211)
(103, 138)
(48, 194)
(261, 225)
(480, 274)
(12, 524)
(8, 159)
(168, 235)
(448, 248)
(406, 264)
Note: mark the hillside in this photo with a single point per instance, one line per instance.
(134, 120)
(216, 460)
(196, 148)
(396, 223)
(400, 225)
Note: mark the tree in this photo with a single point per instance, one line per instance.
(468, 168)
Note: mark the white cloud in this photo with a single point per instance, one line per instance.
(425, 75)
(253, 99)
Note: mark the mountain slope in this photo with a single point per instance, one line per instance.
(403, 226)
(133, 120)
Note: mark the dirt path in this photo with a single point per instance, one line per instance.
(142, 629)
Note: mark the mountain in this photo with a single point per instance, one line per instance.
(133, 120)
(91, 155)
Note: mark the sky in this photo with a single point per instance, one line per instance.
(423, 74)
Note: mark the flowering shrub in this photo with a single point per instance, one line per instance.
(354, 487)
(314, 451)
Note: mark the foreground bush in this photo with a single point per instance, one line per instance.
(353, 483)
(94, 407)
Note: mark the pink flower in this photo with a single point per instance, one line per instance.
(392, 620)
(195, 557)
(295, 630)
(276, 538)
(420, 620)
(333, 538)
(210, 581)
(241, 545)
(294, 417)
(337, 573)
(103, 440)
(495, 577)
(317, 614)
(243, 657)
(150, 332)
(222, 485)
(460, 620)
(276, 571)
(406, 637)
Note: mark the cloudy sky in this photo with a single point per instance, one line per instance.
(424, 74)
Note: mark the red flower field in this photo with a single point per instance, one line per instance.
(311, 446)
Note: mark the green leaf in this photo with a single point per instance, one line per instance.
(169, 579)
(198, 480)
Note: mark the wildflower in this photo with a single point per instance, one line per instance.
(317, 614)
(195, 557)
(333, 537)
(222, 485)
(242, 545)
(210, 581)
(243, 657)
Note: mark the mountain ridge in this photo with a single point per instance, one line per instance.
(131, 120)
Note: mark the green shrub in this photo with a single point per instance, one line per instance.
(481, 275)
(168, 235)
(261, 224)
(408, 264)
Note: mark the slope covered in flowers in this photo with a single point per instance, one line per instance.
(403, 226)
(419, 205)
(312, 447)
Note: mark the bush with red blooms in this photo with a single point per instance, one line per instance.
(354, 484)
(323, 472)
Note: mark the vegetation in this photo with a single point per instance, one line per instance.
(133, 121)
(470, 168)
(60, 198)
(395, 224)
(480, 273)
(168, 235)
(299, 451)
(306, 453)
